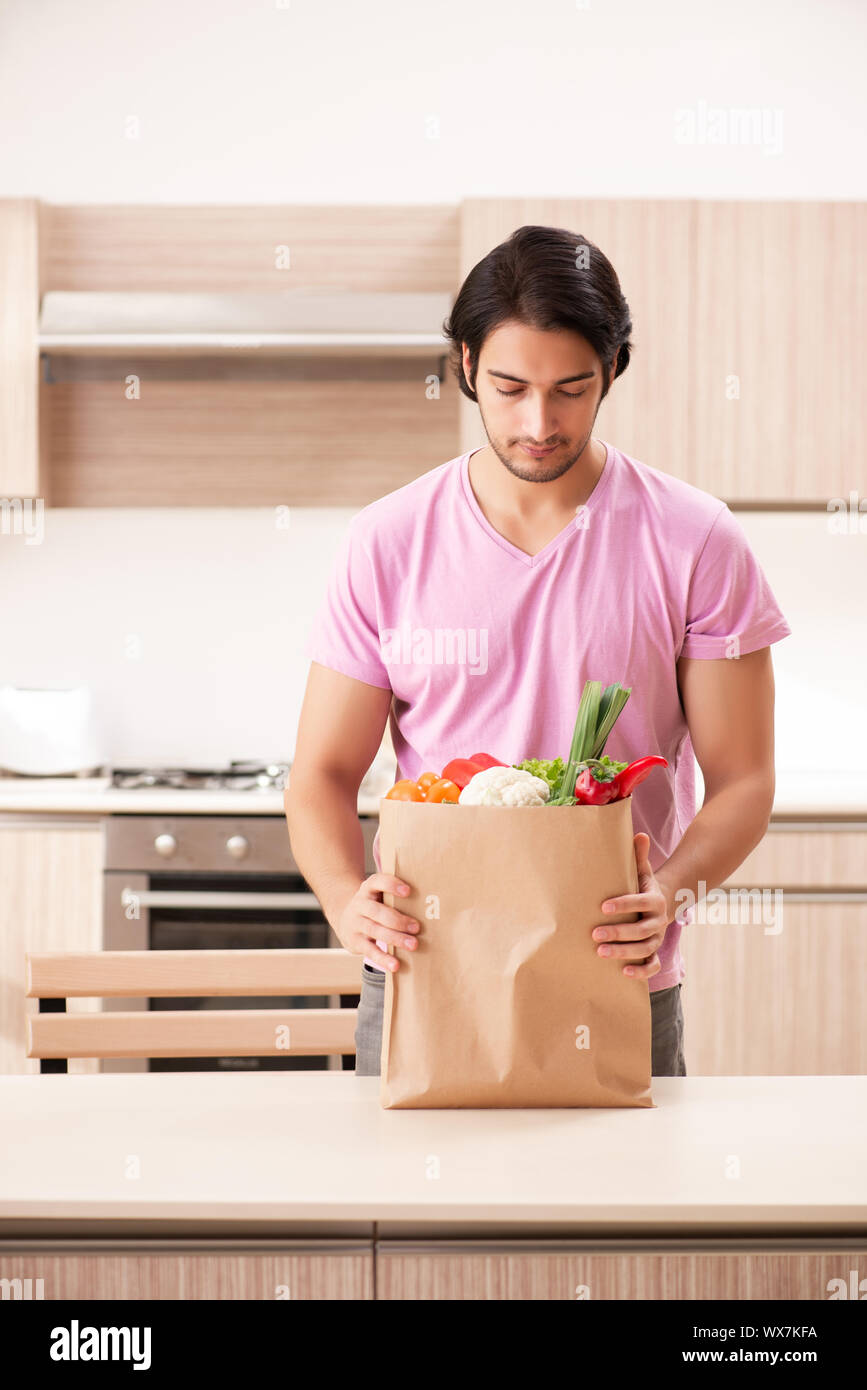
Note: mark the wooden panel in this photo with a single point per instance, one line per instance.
(649, 244)
(829, 859)
(571, 1276)
(222, 443)
(19, 358)
(770, 293)
(51, 900)
(187, 974)
(758, 1001)
(778, 301)
(134, 1276)
(218, 442)
(154, 247)
(194, 1033)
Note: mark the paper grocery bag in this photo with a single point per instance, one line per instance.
(505, 1002)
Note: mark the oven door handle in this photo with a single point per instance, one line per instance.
(147, 897)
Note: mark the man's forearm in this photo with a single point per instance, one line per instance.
(327, 843)
(729, 825)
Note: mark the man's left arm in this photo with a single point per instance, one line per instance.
(729, 708)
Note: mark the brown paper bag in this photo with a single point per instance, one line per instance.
(505, 1002)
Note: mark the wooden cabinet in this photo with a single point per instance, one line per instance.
(51, 872)
(555, 1269)
(775, 971)
(199, 426)
(744, 380)
(747, 335)
(159, 1270)
(562, 1271)
(777, 307)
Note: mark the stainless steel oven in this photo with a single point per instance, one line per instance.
(213, 882)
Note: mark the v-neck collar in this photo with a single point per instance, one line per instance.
(568, 530)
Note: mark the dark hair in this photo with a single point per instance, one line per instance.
(537, 278)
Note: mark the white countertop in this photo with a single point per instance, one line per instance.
(94, 796)
(283, 1146)
(804, 794)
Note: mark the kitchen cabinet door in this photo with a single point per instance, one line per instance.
(745, 379)
(783, 996)
(773, 972)
(777, 412)
(504, 1271)
(51, 872)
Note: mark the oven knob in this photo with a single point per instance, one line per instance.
(237, 846)
(165, 845)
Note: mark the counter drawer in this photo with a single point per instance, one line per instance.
(324, 1269)
(817, 854)
(500, 1270)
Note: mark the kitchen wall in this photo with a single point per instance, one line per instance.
(189, 624)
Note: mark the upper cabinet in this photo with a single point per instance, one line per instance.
(234, 356)
(745, 378)
(222, 356)
(777, 313)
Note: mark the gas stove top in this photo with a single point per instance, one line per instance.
(238, 776)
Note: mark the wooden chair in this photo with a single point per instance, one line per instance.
(53, 1035)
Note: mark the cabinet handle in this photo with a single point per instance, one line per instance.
(154, 898)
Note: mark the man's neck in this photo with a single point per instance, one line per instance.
(532, 504)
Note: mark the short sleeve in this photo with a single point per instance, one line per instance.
(730, 597)
(345, 633)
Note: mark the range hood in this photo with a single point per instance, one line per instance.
(302, 322)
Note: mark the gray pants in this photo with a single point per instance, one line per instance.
(666, 1016)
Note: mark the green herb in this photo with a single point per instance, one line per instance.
(597, 715)
(604, 769)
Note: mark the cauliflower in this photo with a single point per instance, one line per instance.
(505, 786)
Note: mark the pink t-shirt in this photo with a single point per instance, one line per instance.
(486, 647)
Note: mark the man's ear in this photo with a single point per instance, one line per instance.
(466, 365)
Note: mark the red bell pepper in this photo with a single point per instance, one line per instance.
(589, 791)
(485, 760)
(626, 781)
(461, 771)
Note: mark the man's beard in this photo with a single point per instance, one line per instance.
(539, 474)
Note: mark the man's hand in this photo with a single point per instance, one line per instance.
(366, 917)
(638, 942)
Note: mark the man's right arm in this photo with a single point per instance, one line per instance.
(339, 734)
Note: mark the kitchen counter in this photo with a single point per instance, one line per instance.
(817, 796)
(95, 796)
(315, 1151)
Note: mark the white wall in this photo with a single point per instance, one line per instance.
(292, 101)
(256, 101)
(189, 627)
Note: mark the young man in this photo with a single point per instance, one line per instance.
(551, 558)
